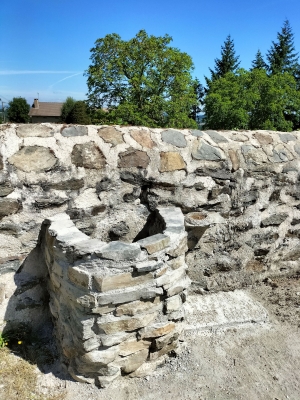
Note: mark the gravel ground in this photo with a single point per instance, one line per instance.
(252, 361)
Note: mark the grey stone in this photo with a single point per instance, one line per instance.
(297, 148)
(149, 265)
(133, 361)
(111, 135)
(133, 158)
(174, 137)
(216, 137)
(287, 137)
(33, 159)
(88, 155)
(119, 251)
(69, 184)
(46, 202)
(9, 206)
(206, 152)
(71, 131)
(129, 294)
(196, 132)
(154, 243)
(275, 219)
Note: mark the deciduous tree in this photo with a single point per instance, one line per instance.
(142, 81)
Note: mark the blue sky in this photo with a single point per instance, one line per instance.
(45, 44)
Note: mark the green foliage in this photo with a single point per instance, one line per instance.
(142, 81)
(282, 57)
(67, 109)
(253, 100)
(3, 340)
(259, 62)
(18, 110)
(228, 61)
(79, 114)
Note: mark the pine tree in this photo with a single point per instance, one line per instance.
(258, 62)
(228, 61)
(282, 56)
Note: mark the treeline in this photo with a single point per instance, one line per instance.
(265, 97)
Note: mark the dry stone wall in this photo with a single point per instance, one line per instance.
(116, 306)
(238, 191)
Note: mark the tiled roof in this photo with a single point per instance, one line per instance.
(47, 109)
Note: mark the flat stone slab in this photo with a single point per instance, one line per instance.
(222, 310)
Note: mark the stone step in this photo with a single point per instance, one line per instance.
(222, 310)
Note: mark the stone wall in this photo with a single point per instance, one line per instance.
(116, 306)
(239, 192)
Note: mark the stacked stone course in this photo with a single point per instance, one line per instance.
(116, 306)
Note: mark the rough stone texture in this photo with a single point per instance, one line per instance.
(88, 155)
(206, 152)
(8, 207)
(171, 161)
(143, 138)
(133, 158)
(71, 131)
(173, 137)
(33, 159)
(34, 130)
(216, 137)
(111, 135)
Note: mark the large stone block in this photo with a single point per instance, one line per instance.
(111, 135)
(106, 283)
(76, 130)
(119, 251)
(128, 295)
(156, 330)
(88, 155)
(132, 362)
(138, 307)
(79, 277)
(155, 243)
(27, 130)
(133, 346)
(110, 324)
(6, 188)
(143, 138)
(33, 159)
(133, 158)
(174, 137)
(171, 161)
(204, 151)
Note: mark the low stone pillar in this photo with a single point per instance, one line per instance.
(117, 307)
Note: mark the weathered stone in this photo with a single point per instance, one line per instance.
(263, 139)
(196, 132)
(179, 286)
(27, 130)
(287, 137)
(203, 151)
(119, 251)
(69, 184)
(8, 207)
(104, 381)
(100, 358)
(297, 148)
(154, 243)
(168, 279)
(133, 158)
(116, 338)
(234, 159)
(33, 159)
(174, 137)
(281, 154)
(88, 155)
(106, 283)
(165, 350)
(1, 162)
(79, 277)
(216, 137)
(274, 220)
(173, 303)
(171, 161)
(76, 130)
(163, 341)
(156, 330)
(6, 188)
(147, 266)
(111, 135)
(110, 324)
(143, 138)
(46, 202)
(253, 155)
(133, 361)
(129, 294)
(133, 346)
(137, 307)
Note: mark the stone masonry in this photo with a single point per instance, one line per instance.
(116, 305)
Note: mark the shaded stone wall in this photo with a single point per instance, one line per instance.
(116, 306)
(239, 192)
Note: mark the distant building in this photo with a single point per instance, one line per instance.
(45, 111)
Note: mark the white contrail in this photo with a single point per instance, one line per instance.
(67, 77)
(24, 72)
